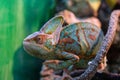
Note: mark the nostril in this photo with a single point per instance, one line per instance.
(26, 39)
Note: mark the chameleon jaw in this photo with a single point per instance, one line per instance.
(35, 49)
(28, 46)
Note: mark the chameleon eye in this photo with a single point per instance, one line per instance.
(39, 40)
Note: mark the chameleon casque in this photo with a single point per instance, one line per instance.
(74, 44)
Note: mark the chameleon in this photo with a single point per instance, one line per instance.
(74, 44)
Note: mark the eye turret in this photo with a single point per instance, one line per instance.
(40, 39)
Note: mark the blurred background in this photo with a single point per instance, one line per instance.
(19, 18)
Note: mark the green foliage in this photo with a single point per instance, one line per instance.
(18, 18)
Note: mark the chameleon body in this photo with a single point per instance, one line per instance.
(75, 44)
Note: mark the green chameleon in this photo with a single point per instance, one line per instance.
(74, 44)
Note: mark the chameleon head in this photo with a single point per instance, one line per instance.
(37, 44)
(42, 44)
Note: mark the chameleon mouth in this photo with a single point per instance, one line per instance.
(30, 45)
(35, 50)
(27, 46)
(31, 48)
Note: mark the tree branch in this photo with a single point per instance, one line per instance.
(107, 41)
(98, 76)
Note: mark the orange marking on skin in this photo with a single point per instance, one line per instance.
(67, 40)
(93, 29)
(77, 32)
(92, 37)
(66, 33)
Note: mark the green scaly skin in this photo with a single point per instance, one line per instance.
(74, 44)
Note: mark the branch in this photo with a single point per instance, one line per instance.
(98, 76)
(107, 41)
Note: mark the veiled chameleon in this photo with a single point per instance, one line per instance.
(75, 44)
